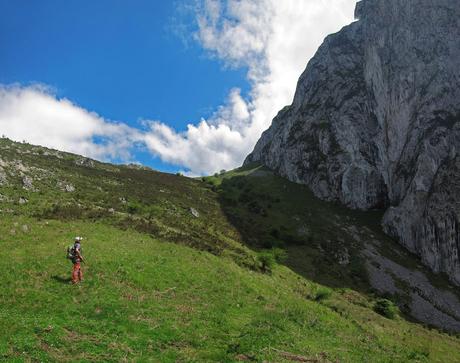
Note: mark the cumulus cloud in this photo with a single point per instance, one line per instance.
(274, 40)
(36, 115)
(206, 147)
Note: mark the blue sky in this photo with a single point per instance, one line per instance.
(123, 62)
(151, 68)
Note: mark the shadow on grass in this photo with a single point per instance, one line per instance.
(270, 212)
(62, 280)
(323, 241)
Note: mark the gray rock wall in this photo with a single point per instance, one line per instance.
(375, 123)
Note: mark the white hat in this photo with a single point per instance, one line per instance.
(78, 239)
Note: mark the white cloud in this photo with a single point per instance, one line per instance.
(274, 39)
(36, 115)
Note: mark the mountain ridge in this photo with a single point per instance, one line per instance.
(375, 124)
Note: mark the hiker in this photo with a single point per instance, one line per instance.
(75, 255)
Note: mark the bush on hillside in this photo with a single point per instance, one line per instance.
(63, 212)
(279, 254)
(133, 208)
(268, 258)
(267, 261)
(386, 308)
(322, 293)
(210, 181)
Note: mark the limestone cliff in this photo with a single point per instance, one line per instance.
(375, 123)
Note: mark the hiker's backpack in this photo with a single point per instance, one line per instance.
(71, 252)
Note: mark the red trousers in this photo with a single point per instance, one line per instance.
(77, 273)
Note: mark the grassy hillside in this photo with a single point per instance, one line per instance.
(183, 270)
(332, 245)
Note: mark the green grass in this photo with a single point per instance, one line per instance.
(238, 283)
(146, 300)
(272, 212)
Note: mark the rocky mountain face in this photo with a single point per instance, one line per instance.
(375, 123)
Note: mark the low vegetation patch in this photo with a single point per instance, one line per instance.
(322, 293)
(386, 308)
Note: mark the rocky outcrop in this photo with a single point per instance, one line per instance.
(65, 187)
(375, 123)
(82, 161)
(27, 183)
(3, 177)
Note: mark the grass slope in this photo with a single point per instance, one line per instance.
(146, 300)
(323, 240)
(164, 286)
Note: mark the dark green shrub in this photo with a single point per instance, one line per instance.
(386, 308)
(133, 208)
(267, 260)
(322, 293)
(64, 212)
(280, 255)
(419, 355)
